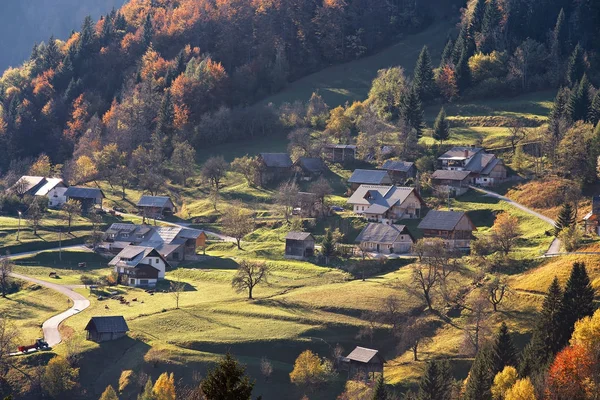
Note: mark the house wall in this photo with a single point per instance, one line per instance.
(464, 224)
(157, 263)
(402, 245)
(136, 282)
(56, 197)
(498, 172)
(410, 208)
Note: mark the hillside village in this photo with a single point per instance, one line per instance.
(431, 235)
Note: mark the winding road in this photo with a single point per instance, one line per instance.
(51, 326)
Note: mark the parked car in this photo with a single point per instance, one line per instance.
(337, 208)
(119, 209)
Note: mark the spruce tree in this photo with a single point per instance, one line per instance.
(559, 46)
(479, 383)
(447, 53)
(577, 301)
(411, 110)
(424, 79)
(380, 393)
(227, 381)
(463, 73)
(148, 32)
(436, 382)
(576, 68)
(558, 112)
(478, 15)
(579, 106)
(566, 218)
(595, 109)
(490, 26)
(503, 350)
(441, 127)
(164, 124)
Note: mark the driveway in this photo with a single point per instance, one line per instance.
(80, 303)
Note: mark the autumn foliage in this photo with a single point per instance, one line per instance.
(570, 375)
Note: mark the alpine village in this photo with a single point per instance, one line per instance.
(300, 200)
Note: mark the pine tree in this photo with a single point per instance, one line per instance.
(109, 394)
(164, 124)
(576, 68)
(411, 111)
(559, 112)
(577, 301)
(227, 381)
(328, 245)
(559, 47)
(436, 382)
(441, 127)
(479, 383)
(579, 105)
(594, 117)
(380, 393)
(490, 26)
(148, 32)
(463, 72)
(566, 218)
(52, 54)
(503, 350)
(447, 53)
(478, 15)
(424, 80)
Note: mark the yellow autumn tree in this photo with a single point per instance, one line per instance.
(164, 388)
(587, 333)
(522, 390)
(109, 394)
(84, 169)
(41, 167)
(339, 123)
(309, 369)
(503, 381)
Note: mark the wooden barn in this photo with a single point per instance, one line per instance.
(103, 329)
(299, 245)
(363, 361)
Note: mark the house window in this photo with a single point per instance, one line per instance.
(132, 281)
(143, 281)
(126, 235)
(156, 260)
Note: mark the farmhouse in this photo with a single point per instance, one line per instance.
(155, 206)
(139, 266)
(310, 167)
(274, 167)
(485, 168)
(299, 245)
(175, 244)
(592, 219)
(456, 228)
(400, 171)
(369, 177)
(102, 329)
(456, 182)
(52, 188)
(386, 203)
(340, 153)
(88, 197)
(363, 361)
(386, 239)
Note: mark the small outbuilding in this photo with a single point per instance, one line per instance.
(385, 239)
(369, 177)
(274, 167)
(103, 329)
(400, 171)
(299, 245)
(88, 197)
(155, 206)
(363, 361)
(310, 167)
(340, 153)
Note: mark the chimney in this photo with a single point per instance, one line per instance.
(466, 153)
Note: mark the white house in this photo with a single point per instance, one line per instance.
(139, 266)
(52, 188)
(386, 203)
(485, 168)
(386, 239)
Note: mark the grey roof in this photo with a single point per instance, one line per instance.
(154, 201)
(341, 146)
(380, 198)
(48, 185)
(441, 220)
(279, 160)
(131, 256)
(381, 233)
(84, 192)
(446, 175)
(370, 177)
(299, 236)
(490, 166)
(29, 182)
(314, 165)
(460, 153)
(114, 324)
(395, 165)
(362, 354)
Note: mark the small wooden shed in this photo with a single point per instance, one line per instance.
(103, 329)
(364, 361)
(299, 245)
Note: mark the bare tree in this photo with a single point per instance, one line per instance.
(183, 160)
(9, 337)
(96, 237)
(321, 188)
(237, 222)
(505, 232)
(367, 330)
(176, 288)
(6, 268)
(35, 215)
(214, 170)
(70, 209)
(20, 188)
(477, 329)
(517, 132)
(391, 312)
(425, 277)
(266, 368)
(497, 290)
(415, 333)
(250, 274)
(300, 142)
(286, 197)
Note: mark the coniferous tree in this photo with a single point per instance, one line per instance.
(227, 381)
(164, 124)
(148, 32)
(503, 350)
(424, 80)
(579, 105)
(558, 113)
(479, 383)
(478, 15)
(436, 382)
(380, 393)
(489, 27)
(595, 109)
(577, 302)
(566, 218)
(411, 110)
(559, 47)
(447, 53)
(52, 54)
(463, 72)
(441, 127)
(576, 68)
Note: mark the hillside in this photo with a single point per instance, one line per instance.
(30, 22)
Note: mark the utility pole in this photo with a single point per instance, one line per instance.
(60, 244)
(448, 194)
(19, 228)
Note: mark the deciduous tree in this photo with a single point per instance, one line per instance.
(249, 275)
(570, 374)
(286, 197)
(164, 387)
(214, 169)
(503, 381)
(237, 222)
(6, 268)
(505, 232)
(183, 160)
(70, 209)
(310, 370)
(59, 377)
(109, 394)
(523, 389)
(415, 332)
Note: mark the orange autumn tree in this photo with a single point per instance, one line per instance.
(570, 374)
(78, 117)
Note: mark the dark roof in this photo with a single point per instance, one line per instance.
(84, 192)
(442, 220)
(313, 165)
(395, 165)
(341, 146)
(114, 324)
(29, 182)
(279, 160)
(445, 175)
(381, 233)
(299, 236)
(154, 201)
(370, 177)
(363, 355)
